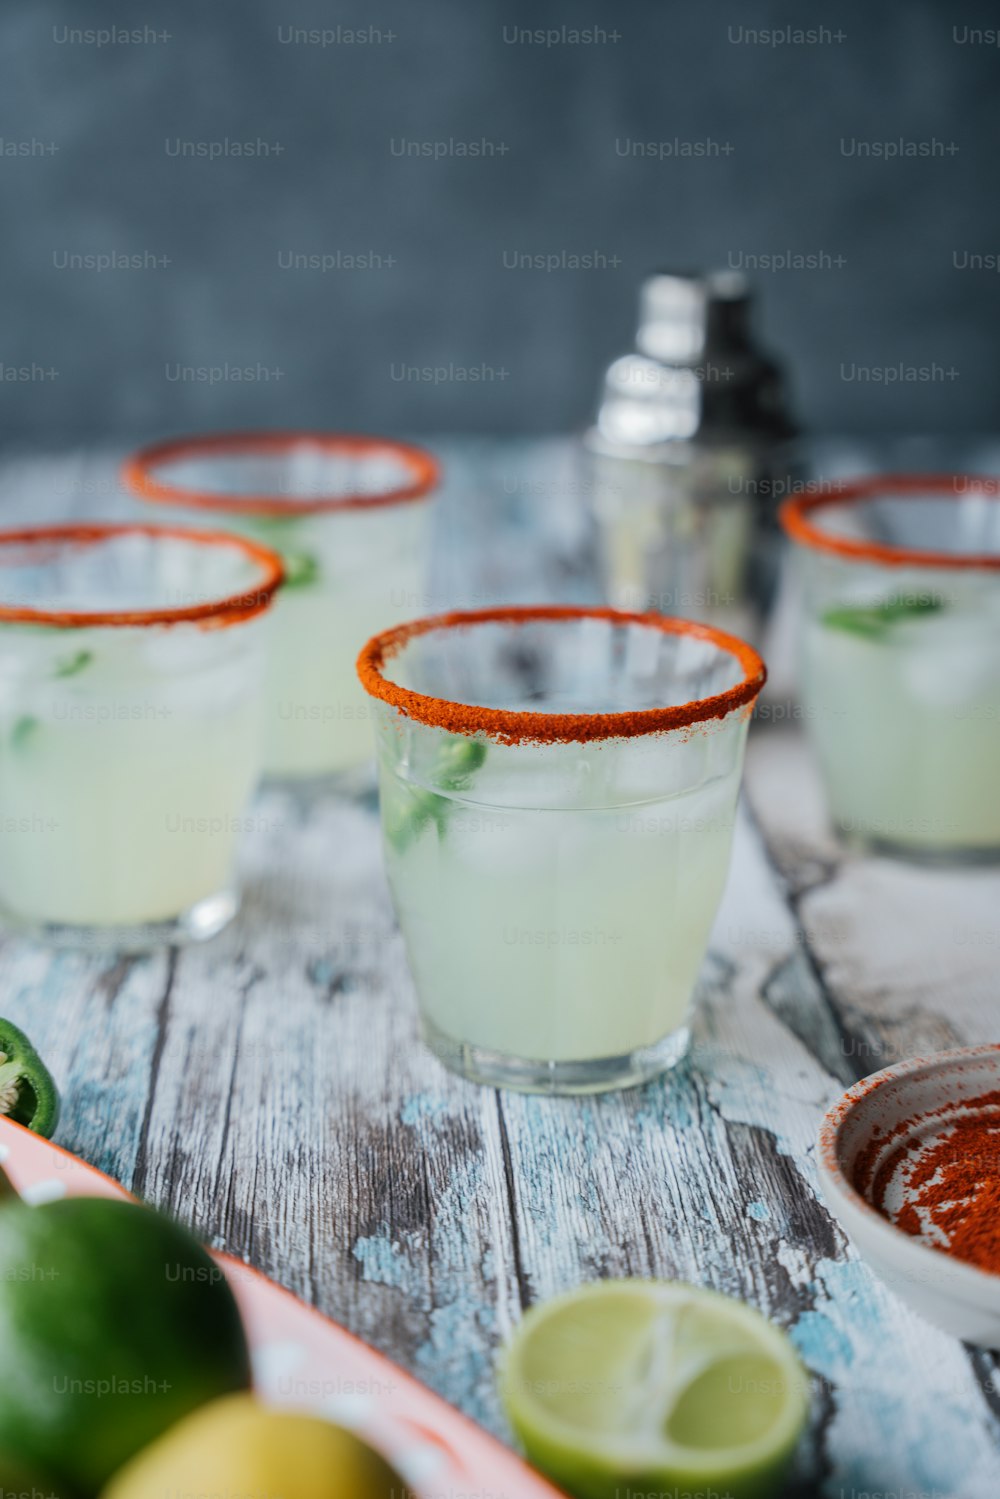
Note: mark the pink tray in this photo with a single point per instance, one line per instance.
(301, 1359)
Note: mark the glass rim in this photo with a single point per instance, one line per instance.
(795, 517)
(231, 609)
(523, 726)
(137, 472)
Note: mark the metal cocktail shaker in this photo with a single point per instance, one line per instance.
(690, 455)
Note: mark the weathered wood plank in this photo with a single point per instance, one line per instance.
(910, 956)
(96, 1021)
(297, 1122)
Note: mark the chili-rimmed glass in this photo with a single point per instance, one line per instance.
(344, 513)
(558, 788)
(131, 665)
(900, 659)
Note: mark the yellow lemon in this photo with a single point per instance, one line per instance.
(238, 1446)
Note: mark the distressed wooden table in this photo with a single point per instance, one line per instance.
(269, 1088)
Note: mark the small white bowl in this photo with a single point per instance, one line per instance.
(951, 1293)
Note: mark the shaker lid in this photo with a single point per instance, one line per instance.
(696, 373)
(682, 317)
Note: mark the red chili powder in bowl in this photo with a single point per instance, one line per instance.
(950, 1179)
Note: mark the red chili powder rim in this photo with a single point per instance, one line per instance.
(234, 609)
(795, 516)
(511, 726)
(138, 472)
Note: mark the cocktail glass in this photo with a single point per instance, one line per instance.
(344, 514)
(131, 668)
(901, 659)
(558, 788)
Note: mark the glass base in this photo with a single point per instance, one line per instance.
(933, 856)
(197, 924)
(496, 1069)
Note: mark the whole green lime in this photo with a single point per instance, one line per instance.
(114, 1324)
(19, 1482)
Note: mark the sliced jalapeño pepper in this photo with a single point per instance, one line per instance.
(28, 1094)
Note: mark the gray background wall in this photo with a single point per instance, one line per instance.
(329, 346)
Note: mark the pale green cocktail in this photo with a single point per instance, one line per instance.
(131, 664)
(557, 832)
(344, 514)
(901, 661)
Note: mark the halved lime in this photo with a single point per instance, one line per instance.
(640, 1387)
